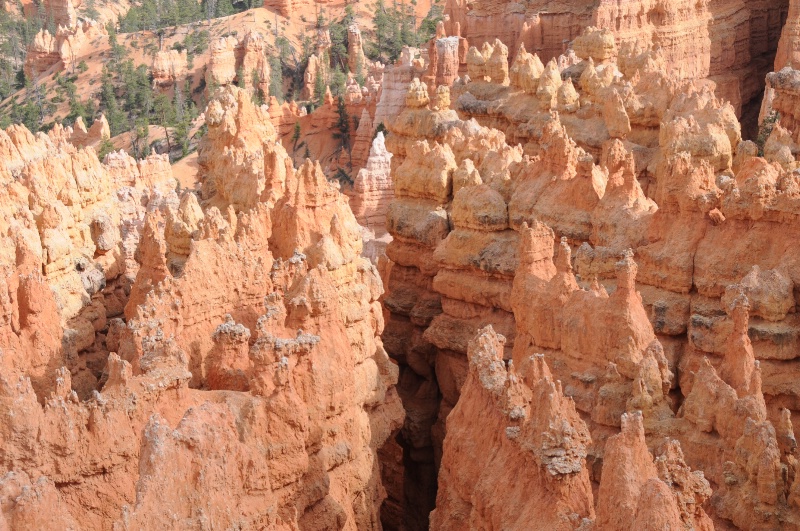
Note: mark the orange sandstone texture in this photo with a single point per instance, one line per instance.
(591, 288)
(730, 41)
(609, 217)
(244, 386)
(169, 67)
(62, 49)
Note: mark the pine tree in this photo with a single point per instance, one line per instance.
(295, 136)
(383, 30)
(106, 147)
(108, 101)
(319, 87)
(140, 137)
(258, 97)
(339, 39)
(342, 125)
(182, 121)
(338, 82)
(165, 115)
(275, 78)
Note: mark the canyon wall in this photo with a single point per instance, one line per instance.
(241, 380)
(729, 41)
(60, 50)
(230, 56)
(782, 93)
(608, 216)
(584, 315)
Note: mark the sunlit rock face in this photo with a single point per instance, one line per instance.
(607, 219)
(241, 369)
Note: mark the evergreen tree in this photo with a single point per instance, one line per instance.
(181, 132)
(320, 87)
(184, 116)
(342, 126)
(427, 28)
(765, 130)
(140, 137)
(339, 39)
(275, 78)
(295, 136)
(117, 120)
(106, 147)
(165, 115)
(383, 31)
(258, 97)
(152, 15)
(338, 82)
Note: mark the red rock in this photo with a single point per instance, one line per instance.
(321, 400)
(169, 66)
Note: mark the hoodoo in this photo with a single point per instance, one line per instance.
(304, 265)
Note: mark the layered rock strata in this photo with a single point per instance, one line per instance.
(372, 189)
(730, 41)
(245, 385)
(60, 50)
(671, 179)
(169, 67)
(230, 57)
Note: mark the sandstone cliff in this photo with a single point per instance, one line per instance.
(230, 56)
(246, 375)
(528, 230)
(60, 50)
(730, 41)
(585, 317)
(169, 67)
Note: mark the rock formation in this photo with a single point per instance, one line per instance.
(362, 141)
(254, 61)
(394, 86)
(356, 60)
(529, 229)
(789, 45)
(245, 375)
(444, 58)
(222, 62)
(59, 50)
(730, 41)
(62, 12)
(560, 292)
(372, 189)
(317, 66)
(169, 67)
(782, 92)
(526, 420)
(230, 57)
(68, 242)
(79, 136)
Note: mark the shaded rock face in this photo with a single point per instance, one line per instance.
(607, 216)
(68, 236)
(789, 44)
(527, 420)
(590, 309)
(372, 190)
(730, 41)
(356, 60)
(782, 93)
(242, 379)
(169, 67)
(230, 56)
(61, 49)
(62, 12)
